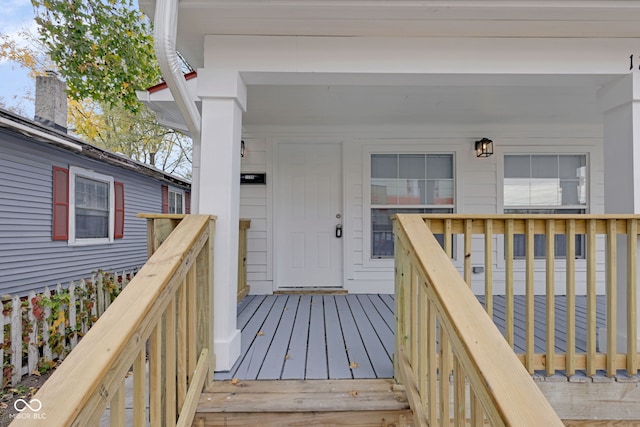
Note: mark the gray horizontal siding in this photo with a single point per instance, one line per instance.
(29, 259)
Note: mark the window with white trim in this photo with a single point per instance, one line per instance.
(546, 184)
(176, 201)
(407, 183)
(91, 207)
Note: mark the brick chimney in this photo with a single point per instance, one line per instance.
(51, 101)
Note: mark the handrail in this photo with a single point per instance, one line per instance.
(167, 305)
(432, 301)
(601, 253)
(159, 226)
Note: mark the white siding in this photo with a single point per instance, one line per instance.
(255, 205)
(478, 190)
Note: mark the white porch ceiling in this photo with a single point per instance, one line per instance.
(423, 100)
(400, 18)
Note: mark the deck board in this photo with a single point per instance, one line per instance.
(374, 348)
(263, 340)
(316, 367)
(358, 355)
(378, 324)
(384, 309)
(318, 336)
(337, 357)
(296, 360)
(277, 351)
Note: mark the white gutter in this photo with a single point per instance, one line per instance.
(31, 131)
(165, 34)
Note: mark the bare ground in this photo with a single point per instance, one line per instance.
(24, 390)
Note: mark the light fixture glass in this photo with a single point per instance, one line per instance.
(484, 147)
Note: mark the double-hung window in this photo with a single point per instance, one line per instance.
(92, 207)
(175, 200)
(88, 207)
(176, 204)
(407, 183)
(545, 184)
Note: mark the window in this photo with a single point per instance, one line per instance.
(545, 184)
(175, 201)
(407, 183)
(88, 207)
(92, 208)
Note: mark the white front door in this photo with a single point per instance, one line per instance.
(308, 200)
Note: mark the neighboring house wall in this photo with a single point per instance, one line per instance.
(29, 257)
(478, 190)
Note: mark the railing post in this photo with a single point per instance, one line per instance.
(205, 301)
(243, 287)
(400, 303)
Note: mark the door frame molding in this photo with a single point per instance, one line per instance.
(276, 146)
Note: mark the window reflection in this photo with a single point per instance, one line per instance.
(407, 183)
(545, 184)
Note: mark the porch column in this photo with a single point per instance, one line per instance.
(224, 97)
(620, 104)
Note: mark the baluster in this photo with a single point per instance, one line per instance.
(591, 297)
(529, 291)
(632, 314)
(611, 283)
(488, 266)
(182, 344)
(116, 411)
(432, 362)
(170, 363)
(570, 364)
(550, 296)
(445, 371)
(139, 381)
(509, 303)
(468, 234)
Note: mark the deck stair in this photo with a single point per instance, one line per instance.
(378, 402)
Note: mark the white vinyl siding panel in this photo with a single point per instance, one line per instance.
(478, 191)
(254, 206)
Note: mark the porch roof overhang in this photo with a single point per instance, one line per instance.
(317, 99)
(159, 99)
(408, 18)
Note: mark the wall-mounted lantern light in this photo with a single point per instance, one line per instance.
(242, 149)
(484, 147)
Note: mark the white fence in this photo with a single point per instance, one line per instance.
(43, 328)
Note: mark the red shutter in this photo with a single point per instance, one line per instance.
(165, 199)
(118, 229)
(60, 227)
(187, 202)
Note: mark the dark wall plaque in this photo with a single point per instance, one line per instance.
(253, 178)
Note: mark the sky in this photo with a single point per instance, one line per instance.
(15, 82)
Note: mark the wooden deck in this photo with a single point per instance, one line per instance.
(314, 337)
(351, 336)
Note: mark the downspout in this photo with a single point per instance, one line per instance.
(165, 34)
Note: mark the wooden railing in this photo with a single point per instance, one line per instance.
(165, 313)
(597, 256)
(243, 287)
(159, 226)
(442, 331)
